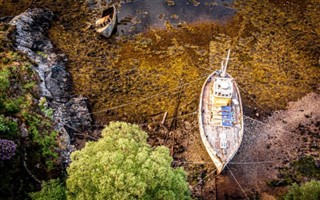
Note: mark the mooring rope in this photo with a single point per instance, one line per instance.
(207, 176)
(141, 100)
(238, 183)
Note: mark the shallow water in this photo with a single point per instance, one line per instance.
(140, 15)
(122, 70)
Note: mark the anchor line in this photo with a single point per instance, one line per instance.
(260, 122)
(205, 177)
(141, 100)
(80, 132)
(253, 100)
(141, 124)
(254, 163)
(230, 163)
(237, 182)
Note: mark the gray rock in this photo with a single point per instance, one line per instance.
(317, 163)
(70, 114)
(24, 131)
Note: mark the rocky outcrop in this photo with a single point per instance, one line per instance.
(71, 114)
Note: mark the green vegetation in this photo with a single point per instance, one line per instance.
(43, 104)
(8, 127)
(51, 190)
(4, 81)
(43, 136)
(305, 166)
(121, 165)
(307, 191)
(299, 171)
(23, 123)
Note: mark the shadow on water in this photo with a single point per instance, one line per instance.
(140, 15)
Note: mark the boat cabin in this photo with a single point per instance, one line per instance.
(221, 101)
(222, 91)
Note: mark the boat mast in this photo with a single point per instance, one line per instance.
(224, 65)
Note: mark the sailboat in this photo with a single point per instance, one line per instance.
(221, 116)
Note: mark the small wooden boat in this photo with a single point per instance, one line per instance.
(107, 22)
(221, 116)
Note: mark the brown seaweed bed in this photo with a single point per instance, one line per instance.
(274, 50)
(173, 63)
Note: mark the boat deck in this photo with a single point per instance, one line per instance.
(224, 138)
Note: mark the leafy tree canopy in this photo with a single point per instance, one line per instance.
(121, 165)
(307, 191)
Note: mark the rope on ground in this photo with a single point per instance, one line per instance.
(95, 139)
(205, 178)
(196, 163)
(252, 99)
(143, 99)
(80, 133)
(230, 163)
(179, 117)
(237, 182)
(254, 162)
(155, 122)
(260, 122)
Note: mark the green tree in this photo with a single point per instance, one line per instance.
(121, 165)
(307, 191)
(51, 190)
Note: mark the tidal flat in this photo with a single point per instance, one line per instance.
(142, 72)
(137, 77)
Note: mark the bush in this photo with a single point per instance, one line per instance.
(121, 165)
(4, 80)
(12, 106)
(51, 190)
(40, 133)
(307, 191)
(8, 128)
(43, 105)
(306, 166)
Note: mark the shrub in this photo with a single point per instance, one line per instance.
(8, 128)
(4, 80)
(12, 106)
(51, 190)
(306, 166)
(307, 191)
(121, 165)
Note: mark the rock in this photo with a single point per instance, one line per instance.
(170, 2)
(70, 114)
(317, 163)
(24, 131)
(187, 125)
(65, 148)
(79, 118)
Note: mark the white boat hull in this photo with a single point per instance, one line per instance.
(211, 133)
(107, 29)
